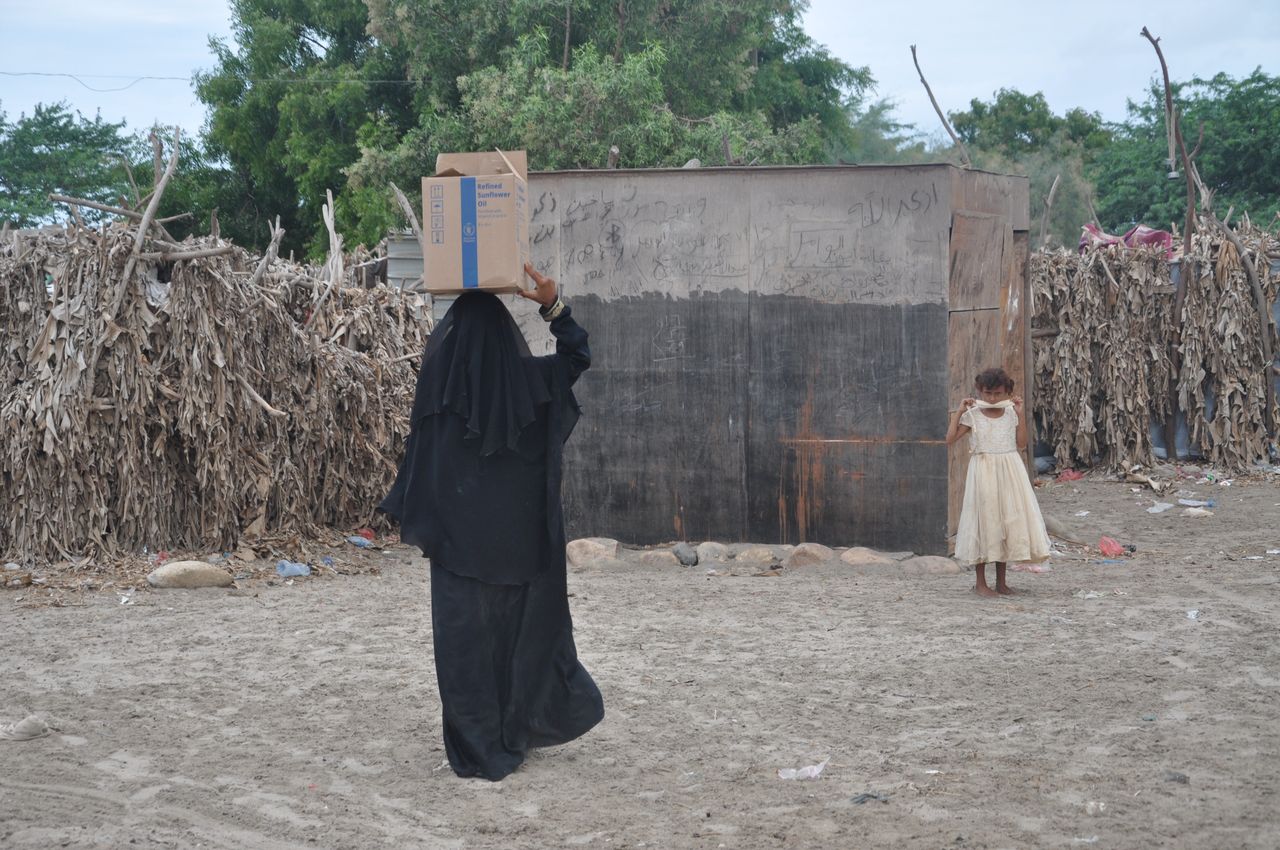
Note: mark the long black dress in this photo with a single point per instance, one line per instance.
(479, 493)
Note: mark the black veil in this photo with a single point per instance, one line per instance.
(479, 488)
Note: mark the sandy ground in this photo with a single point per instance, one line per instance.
(305, 715)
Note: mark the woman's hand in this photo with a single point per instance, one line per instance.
(545, 288)
(967, 403)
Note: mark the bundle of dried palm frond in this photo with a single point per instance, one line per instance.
(1103, 326)
(194, 401)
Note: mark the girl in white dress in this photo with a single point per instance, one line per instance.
(1000, 519)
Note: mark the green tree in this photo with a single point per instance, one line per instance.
(1014, 124)
(1239, 157)
(298, 107)
(289, 102)
(876, 136)
(53, 150)
(1019, 133)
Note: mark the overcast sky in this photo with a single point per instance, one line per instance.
(1078, 54)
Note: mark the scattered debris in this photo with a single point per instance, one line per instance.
(868, 796)
(27, 729)
(812, 771)
(288, 569)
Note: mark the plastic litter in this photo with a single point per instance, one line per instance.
(1269, 552)
(366, 533)
(1196, 512)
(1193, 614)
(1082, 513)
(27, 729)
(812, 771)
(1110, 547)
(1197, 503)
(361, 542)
(286, 569)
(1070, 475)
(327, 561)
(1031, 568)
(1095, 807)
(1159, 508)
(868, 796)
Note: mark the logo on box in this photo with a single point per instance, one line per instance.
(437, 192)
(437, 237)
(437, 206)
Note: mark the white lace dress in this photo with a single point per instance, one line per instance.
(999, 519)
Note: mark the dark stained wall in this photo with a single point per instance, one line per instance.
(770, 350)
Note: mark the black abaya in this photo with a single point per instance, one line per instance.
(479, 493)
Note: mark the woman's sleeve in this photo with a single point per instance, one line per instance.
(571, 340)
(966, 418)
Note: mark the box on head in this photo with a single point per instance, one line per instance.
(475, 223)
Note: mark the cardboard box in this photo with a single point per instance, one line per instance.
(475, 223)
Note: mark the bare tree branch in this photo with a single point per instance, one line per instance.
(964, 152)
(277, 233)
(407, 208)
(568, 20)
(1048, 207)
(176, 256)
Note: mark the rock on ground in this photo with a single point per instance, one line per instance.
(756, 555)
(658, 558)
(588, 549)
(189, 574)
(710, 551)
(808, 554)
(861, 556)
(686, 554)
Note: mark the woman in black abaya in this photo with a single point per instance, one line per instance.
(479, 493)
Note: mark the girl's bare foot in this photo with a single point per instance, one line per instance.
(1005, 590)
(983, 590)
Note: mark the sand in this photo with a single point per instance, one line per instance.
(1090, 711)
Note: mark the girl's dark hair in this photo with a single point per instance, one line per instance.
(994, 379)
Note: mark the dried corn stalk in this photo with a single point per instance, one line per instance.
(1102, 328)
(211, 415)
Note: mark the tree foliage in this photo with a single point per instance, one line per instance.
(337, 94)
(1015, 124)
(287, 104)
(53, 150)
(1239, 157)
(1019, 133)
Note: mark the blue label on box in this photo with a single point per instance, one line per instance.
(470, 260)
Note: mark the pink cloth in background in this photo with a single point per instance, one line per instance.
(1093, 237)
